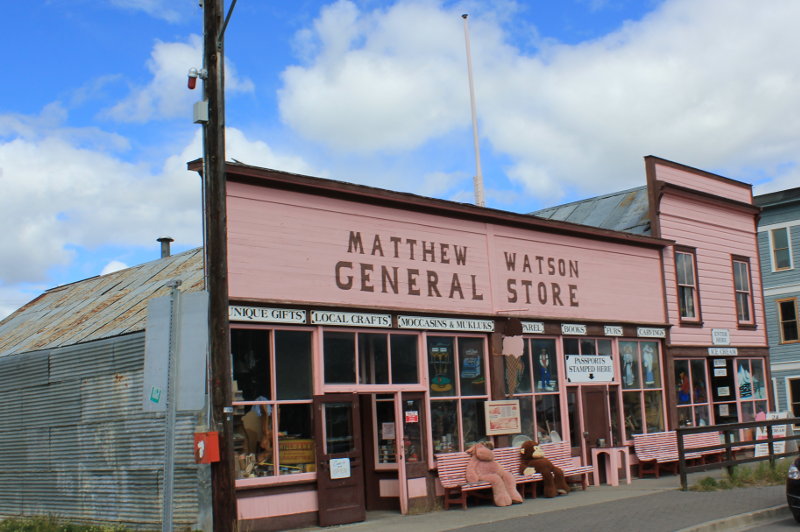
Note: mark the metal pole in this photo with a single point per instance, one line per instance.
(222, 472)
(478, 180)
(170, 417)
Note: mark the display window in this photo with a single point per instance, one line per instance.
(751, 389)
(458, 389)
(386, 451)
(533, 379)
(272, 386)
(642, 388)
(369, 358)
(691, 392)
(723, 391)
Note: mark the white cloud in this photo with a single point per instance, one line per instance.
(707, 83)
(60, 196)
(166, 96)
(113, 266)
(162, 9)
(374, 83)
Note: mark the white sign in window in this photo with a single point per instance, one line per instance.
(340, 468)
(589, 368)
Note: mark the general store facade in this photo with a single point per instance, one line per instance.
(371, 330)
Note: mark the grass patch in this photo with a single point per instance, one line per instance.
(746, 476)
(51, 524)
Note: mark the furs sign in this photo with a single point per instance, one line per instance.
(417, 267)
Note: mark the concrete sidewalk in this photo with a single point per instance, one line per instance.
(653, 505)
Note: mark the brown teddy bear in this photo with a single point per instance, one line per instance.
(534, 461)
(482, 467)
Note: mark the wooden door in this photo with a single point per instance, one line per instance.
(340, 464)
(596, 420)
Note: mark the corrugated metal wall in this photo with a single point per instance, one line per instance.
(75, 442)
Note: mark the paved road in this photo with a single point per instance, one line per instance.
(661, 512)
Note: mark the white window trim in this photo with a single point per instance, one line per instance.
(769, 229)
(788, 390)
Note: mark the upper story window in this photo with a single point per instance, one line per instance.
(781, 249)
(742, 288)
(686, 277)
(787, 317)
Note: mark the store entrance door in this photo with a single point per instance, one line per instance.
(596, 418)
(340, 464)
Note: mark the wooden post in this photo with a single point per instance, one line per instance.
(223, 495)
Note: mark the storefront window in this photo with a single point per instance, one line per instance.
(369, 358)
(751, 387)
(691, 392)
(457, 370)
(539, 405)
(444, 425)
(642, 395)
(412, 431)
(272, 377)
(723, 391)
(632, 407)
(385, 428)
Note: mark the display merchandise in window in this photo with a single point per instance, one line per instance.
(456, 368)
(272, 433)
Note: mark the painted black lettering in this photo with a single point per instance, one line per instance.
(433, 281)
(354, 245)
(345, 283)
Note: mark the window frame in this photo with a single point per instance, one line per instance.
(696, 320)
(534, 395)
(773, 250)
(640, 390)
(749, 323)
(273, 404)
(781, 321)
(457, 396)
(790, 396)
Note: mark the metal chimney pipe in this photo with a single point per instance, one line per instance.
(165, 240)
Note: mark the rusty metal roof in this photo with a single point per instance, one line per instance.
(626, 211)
(98, 307)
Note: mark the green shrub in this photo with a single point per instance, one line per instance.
(51, 524)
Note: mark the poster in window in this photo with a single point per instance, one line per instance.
(502, 417)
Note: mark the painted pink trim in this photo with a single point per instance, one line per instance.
(389, 487)
(276, 505)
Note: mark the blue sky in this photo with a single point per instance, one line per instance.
(96, 129)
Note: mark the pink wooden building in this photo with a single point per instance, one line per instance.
(371, 330)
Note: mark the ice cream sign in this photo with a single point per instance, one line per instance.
(589, 368)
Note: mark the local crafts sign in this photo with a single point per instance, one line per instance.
(589, 368)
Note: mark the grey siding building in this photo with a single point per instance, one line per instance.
(779, 247)
(75, 441)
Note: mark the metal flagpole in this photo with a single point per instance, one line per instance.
(478, 179)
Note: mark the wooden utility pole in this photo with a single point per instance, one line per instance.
(222, 473)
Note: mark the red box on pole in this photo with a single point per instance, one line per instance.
(206, 447)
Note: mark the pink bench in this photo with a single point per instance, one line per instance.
(658, 451)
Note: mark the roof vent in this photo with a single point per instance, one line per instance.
(165, 240)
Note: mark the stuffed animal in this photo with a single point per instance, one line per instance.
(534, 461)
(482, 467)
